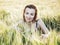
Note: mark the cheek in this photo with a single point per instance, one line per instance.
(32, 17)
(26, 17)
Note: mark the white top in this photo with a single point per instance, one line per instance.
(30, 28)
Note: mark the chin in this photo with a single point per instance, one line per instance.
(29, 21)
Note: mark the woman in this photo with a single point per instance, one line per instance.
(30, 25)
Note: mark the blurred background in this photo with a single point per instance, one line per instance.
(45, 7)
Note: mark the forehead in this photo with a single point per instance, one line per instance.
(30, 10)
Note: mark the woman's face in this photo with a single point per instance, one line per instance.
(29, 14)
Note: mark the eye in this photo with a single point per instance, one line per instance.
(32, 14)
(27, 13)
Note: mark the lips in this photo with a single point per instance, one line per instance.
(29, 18)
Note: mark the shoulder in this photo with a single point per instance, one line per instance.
(18, 25)
(18, 22)
(39, 21)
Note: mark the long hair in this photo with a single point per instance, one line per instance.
(33, 7)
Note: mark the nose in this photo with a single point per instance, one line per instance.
(29, 15)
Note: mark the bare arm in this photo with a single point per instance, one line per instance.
(43, 27)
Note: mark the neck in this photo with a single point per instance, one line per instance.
(29, 23)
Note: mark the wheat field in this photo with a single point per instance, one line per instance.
(11, 12)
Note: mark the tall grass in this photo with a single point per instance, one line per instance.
(13, 37)
(52, 22)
